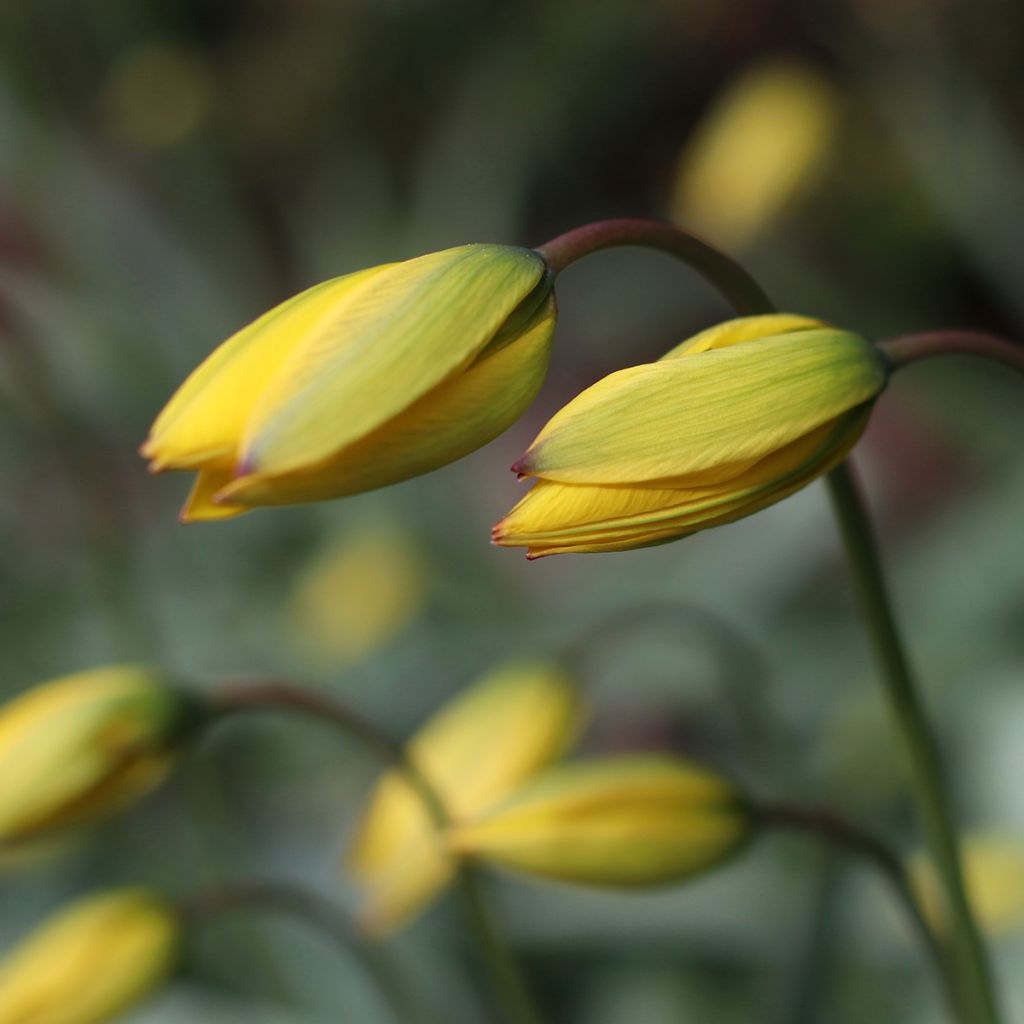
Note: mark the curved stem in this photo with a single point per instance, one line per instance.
(910, 348)
(724, 273)
(844, 835)
(256, 695)
(927, 776)
(278, 897)
(742, 670)
(748, 299)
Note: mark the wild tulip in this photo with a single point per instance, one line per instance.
(91, 961)
(362, 381)
(516, 720)
(629, 821)
(735, 419)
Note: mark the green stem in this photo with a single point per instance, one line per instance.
(975, 983)
(839, 833)
(278, 897)
(516, 1003)
(749, 299)
(724, 273)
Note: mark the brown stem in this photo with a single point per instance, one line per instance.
(269, 695)
(724, 273)
(913, 347)
(290, 900)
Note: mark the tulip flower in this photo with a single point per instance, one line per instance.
(733, 420)
(509, 725)
(994, 876)
(83, 746)
(630, 821)
(362, 381)
(92, 961)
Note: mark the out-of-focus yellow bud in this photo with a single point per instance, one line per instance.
(362, 381)
(994, 877)
(619, 821)
(82, 746)
(356, 596)
(91, 961)
(735, 419)
(757, 147)
(155, 96)
(478, 749)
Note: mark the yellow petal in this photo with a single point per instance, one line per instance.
(356, 595)
(741, 329)
(555, 517)
(721, 407)
(203, 422)
(514, 721)
(454, 419)
(396, 337)
(92, 961)
(755, 150)
(201, 506)
(994, 875)
(621, 821)
(82, 746)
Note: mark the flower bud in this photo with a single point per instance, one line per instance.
(80, 747)
(91, 961)
(757, 149)
(733, 420)
(362, 381)
(513, 722)
(993, 866)
(629, 821)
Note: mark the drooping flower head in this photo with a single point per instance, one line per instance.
(78, 748)
(362, 381)
(627, 821)
(91, 961)
(514, 721)
(735, 419)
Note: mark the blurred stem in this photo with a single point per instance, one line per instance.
(844, 835)
(724, 273)
(741, 668)
(910, 348)
(278, 897)
(271, 695)
(974, 980)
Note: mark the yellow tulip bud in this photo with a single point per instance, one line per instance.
(362, 381)
(733, 420)
(621, 821)
(513, 722)
(80, 747)
(994, 876)
(91, 961)
(760, 144)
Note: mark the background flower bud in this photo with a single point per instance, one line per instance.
(362, 381)
(994, 875)
(91, 961)
(619, 821)
(735, 419)
(82, 746)
(513, 722)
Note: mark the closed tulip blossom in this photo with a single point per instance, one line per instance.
(732, 420)
(629, 821)
(78, 748)
(516, 720)
(92, 961)
(362, 381)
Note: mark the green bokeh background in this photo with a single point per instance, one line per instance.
(170, 169)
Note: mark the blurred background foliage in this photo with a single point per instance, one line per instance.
(171, 168)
